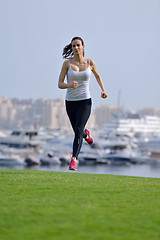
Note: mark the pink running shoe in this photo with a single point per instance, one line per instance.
(89, 140)
(72, 165)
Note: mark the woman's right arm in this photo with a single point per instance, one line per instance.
(62, 75)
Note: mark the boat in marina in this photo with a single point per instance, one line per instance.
(150, 143)
(144, 131)
(128, 155)
(133, 125)
(10, 159)
(22, 139)
(49, 158)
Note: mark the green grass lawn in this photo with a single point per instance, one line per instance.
(54, 205)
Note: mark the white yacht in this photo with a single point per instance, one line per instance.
(134, 125)
(8, 159)
(22, 139)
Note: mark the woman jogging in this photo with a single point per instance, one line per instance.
(78, 100)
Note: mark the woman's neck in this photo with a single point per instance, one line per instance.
(78, 58)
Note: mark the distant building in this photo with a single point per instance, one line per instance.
(104, 114)
(7, 112)
(54, 116)
(149, 111)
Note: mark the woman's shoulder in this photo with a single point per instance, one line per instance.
(90, 61)
(66, 63)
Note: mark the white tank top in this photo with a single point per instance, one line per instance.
(82, 91)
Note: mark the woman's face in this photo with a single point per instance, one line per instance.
(77, 47)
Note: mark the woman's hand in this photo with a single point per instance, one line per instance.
(103, 94)
(74, 84)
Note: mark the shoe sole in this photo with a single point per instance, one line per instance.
(72, 169)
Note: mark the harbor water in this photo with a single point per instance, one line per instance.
(143, 170)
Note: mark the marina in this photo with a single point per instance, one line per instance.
(131, 148)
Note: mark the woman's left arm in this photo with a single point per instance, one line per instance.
(98, 78)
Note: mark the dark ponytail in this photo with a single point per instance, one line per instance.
(67, 50)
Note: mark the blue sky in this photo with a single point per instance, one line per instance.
(121, 36)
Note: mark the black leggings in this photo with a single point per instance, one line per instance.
(78, 113)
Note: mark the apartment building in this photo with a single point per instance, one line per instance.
(48, 113)
(7, 111)
(104, 114)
